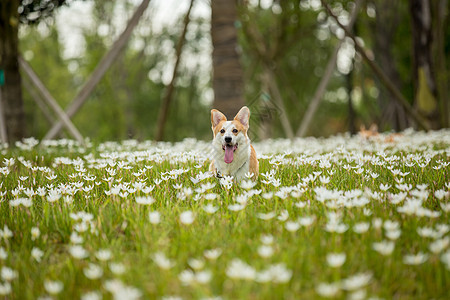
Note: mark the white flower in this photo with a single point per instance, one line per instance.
(415, 259)
(75, 238)
(393, 234)
(53, 287)
(247, 184)
(267, 196)
(103, 254)
(187, 277)
(445, 206)
(384, 187)
(196, 264)
(93, 271)
(267, 239)
(377, 223)
(306, 221)
(335, 260)
(249, 175)
(187, 217)
(384, 247)
(117, 268)
(53, 196)
(265, 251)
(266, 216)
(154, 217)
(212, 254)
(6, 233)
(148, 189)
(238, 269)
(336, 227)
(327, 290)
(390, 225)
(236, 207)
(367, 212)
(324, 179)
(162, 261)
(81, 227)
(357, 295)
(439, 245)
(284, 215)
(121, 291)
(5, 288)
(277, 273)
(78, 252)
(177, 186)
(356, 282)
(426, 232)
(292, 226)
(210, 196)
(361, 227)
(147, 200)
(440, 194)
(210, 209)
(203, 276)
(242, 199)
(95, 295)
(37, 254)
(3, 253)
(27, 202)
(445, 259)
(8, 274)
(300, 204)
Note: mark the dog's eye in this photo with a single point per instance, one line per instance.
(222, 131)
(235, 130)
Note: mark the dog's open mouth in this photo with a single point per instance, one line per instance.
(229, 152)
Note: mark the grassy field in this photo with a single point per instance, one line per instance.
(342, 217)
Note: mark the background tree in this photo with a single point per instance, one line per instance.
(297, 39)
(424, 77)
(389, 17)
(228, 83)
(126, 101)
(11, 13)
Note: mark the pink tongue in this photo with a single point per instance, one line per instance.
(229, 154)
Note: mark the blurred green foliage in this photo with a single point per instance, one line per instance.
(125, 104)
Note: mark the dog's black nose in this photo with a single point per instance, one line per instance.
(228, 139)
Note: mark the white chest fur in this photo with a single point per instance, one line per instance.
(238, 167)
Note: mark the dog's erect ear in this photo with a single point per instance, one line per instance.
(243, 116)
(217, 117)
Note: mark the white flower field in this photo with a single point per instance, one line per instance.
(340, 217)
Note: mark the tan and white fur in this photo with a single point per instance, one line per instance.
(233, 155)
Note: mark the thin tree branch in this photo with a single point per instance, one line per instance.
(314, 104)
(379, 73)
(164, 110)
(65, 120)
(101, 69)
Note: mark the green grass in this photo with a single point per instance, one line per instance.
(122, 226)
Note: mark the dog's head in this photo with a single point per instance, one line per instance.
(230, 134)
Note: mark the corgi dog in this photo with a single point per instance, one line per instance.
(233, 155)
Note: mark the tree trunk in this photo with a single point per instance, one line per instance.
(440, 14)
(424, 79)
(9, 51)
(228, 82)
(385, 24)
